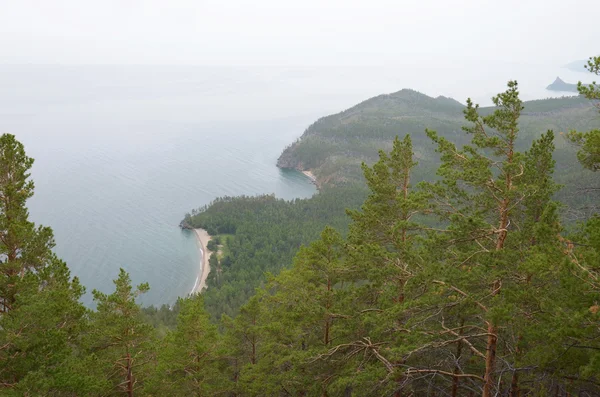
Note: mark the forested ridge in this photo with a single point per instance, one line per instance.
(261, 235)
(264, 233)
(334, 147)
(463, 284)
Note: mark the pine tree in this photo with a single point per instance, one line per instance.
(245, 337)
(42, 334)
(25, 247)
(189, 362)
(492, 198)
(40, 312)
(583, 246)
(385, 243)
(384, 229)
(120, 339)
(589, 142)
(306, 314)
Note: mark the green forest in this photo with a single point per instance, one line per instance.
(334, 147)
(468, 280)
(261, 235)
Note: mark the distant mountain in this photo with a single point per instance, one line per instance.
(334, 147)
(560, 85)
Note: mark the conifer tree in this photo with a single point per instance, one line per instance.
(25, 247)
(40, 312)
(493, 199)
(384, 229)
(385, 247)
(583, 246)
(245, 338)
(42, 333)
(307, 312)
(589, 142)
(188, 362)
(120, 339)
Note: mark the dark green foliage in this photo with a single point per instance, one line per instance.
(589, 142)
(189, 360)
(464, 284)
(267, 234)
(119, 339)
(494, 200)
(584, 249)
(588, 190)
(41, 316)
(212, 246)
(42, 334)
(162, 318)
(481, 303)
(589, 154)
(303, 316)
(356, 135)
(25, 247)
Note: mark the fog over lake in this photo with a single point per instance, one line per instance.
(123, 152)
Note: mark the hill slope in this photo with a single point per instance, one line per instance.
(334, 146)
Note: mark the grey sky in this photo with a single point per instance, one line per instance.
(303, 32)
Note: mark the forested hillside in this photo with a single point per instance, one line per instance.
(464, 284)
(261, 235)
(334, 147)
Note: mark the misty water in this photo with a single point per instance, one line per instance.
(123, 152)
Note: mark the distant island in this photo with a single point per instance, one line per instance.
(560, 85)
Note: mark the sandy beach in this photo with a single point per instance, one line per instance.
(310, 175)
(203, 239)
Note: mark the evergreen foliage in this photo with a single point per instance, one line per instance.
(265, 234)
(460, 285)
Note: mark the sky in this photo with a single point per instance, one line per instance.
(303, 32)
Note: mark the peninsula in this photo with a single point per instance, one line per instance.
(561, 85)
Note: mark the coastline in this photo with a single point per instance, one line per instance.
(203, 238)
(311, 176)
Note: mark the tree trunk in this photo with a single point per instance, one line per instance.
(490, 360)
(514, 385)
(129, 376)
(253, 342)
(456, 379)
(253, 357)
(492, 340)
(405, 195)
(515, 391)
(502, 232)
(326, 338)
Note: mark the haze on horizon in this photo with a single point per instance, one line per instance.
(308, 32)
(115, 141)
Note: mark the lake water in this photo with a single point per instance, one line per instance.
(123, 152)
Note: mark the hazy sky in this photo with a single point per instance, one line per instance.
(302, 32)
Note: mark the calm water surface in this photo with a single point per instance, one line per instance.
(122, 153)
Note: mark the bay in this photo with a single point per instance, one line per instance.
(123, 152)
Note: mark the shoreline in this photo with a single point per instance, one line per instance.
(311, 176)
(202, 238)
